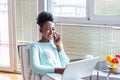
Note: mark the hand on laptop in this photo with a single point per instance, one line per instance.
(59, 70)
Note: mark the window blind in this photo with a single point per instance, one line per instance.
(80, 41)
(26, 13)
(107, 7)
(26, 28)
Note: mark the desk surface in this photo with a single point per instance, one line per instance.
(105, 74)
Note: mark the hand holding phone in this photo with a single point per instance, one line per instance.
(57, 40)
(55, 36)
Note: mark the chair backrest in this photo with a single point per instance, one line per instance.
(23, 52)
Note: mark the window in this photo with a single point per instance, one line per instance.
(85, 11)
(26, 28)
(106, 11)
(69, 8)
(7, 35)
(82, 40)
(107, 7)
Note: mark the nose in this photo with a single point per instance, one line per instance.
(51, 31)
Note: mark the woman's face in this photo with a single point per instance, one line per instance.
(47, 30)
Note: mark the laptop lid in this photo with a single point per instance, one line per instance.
(80, 69)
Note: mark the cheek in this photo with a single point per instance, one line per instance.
(45, 33)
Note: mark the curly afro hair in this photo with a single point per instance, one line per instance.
(44, 17)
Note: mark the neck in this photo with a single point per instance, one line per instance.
(44, 40)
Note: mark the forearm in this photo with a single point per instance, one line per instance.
(41, 69)
(63, 58)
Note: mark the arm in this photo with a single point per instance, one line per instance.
(64, 61)
(63, 57)
(35, 61)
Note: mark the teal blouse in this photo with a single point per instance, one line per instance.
(44, 57)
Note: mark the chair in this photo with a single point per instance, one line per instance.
(27, 73)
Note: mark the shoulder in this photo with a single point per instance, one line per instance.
(34, 44)
(35, 47)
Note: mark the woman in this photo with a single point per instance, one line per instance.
(47, 55)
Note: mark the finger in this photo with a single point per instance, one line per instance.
(57, 33)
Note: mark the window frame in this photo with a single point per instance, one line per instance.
(91, 18)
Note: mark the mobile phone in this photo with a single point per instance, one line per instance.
(55, 36)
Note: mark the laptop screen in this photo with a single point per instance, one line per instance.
(80, 69)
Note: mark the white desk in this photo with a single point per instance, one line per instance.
(103, 76)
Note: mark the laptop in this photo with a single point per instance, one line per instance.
(76, 70)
